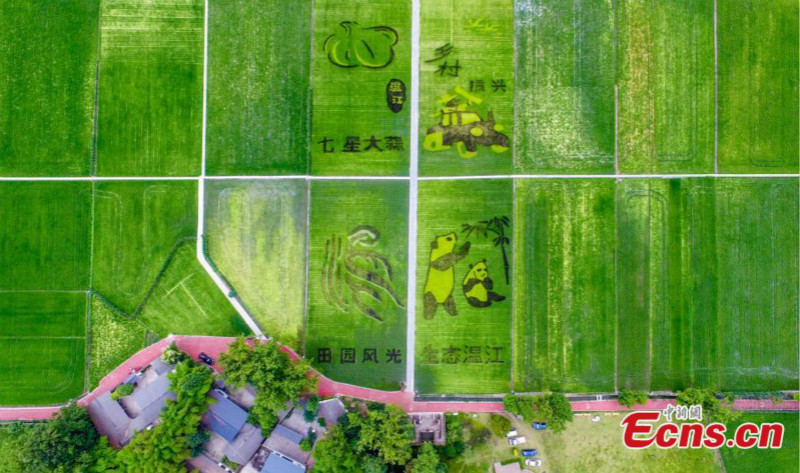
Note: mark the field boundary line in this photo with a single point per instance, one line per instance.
(223, 286)
(716, 91)
(413, 188)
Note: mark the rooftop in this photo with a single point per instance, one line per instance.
(224, 417)
(277, 463)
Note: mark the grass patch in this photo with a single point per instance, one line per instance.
(358, 231)
(150, 110)
(137, 225)
(564, 332)
(756, 460)
(666, 86)
(469, 352)
(466, 46)
(565, 87)
(256, 234)
(115, 338)
(259, 95)
(758, 109)
(48, 55)
(45, 235)
(43, 335)
(351, 100)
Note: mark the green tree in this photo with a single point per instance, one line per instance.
(713, 409)
(426, 461)
(101, 459)
(630, 398)
(336, 453)
(197, 442)
(174, 355)
(164, 448)
(60, 442)
(555, 409)
(312, 408)
(122, 391)
(373, 464)
(272, 372)
(500, 425)
(387, 433)
(520, 406)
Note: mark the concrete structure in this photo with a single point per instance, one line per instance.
(429, 428)
(121, 420)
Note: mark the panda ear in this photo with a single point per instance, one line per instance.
(470, 266)
(484, 260)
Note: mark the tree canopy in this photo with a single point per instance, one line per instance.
(59, 444)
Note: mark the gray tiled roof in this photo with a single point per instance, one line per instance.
(278, 464)
(224, 417)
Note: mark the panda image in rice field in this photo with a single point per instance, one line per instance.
(477, 286)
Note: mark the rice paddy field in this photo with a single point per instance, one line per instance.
(256, 236)
(259, 87)
(44, 343)
(464, 290)
(47, 87)
(466, 121)
(357, 281)
(150, 103)
(360, 63)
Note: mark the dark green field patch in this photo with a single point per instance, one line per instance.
(666, 86)
(151, 76)
(256, 236)
(259, 96)
(564, 331)
(359, 48)
(357, 281)
(466, 352)
(44, 236)
(44, 344)
(48, 55)
(565, 87)
(466, 87)
(758, 106)
(756, 460)
(137, 225)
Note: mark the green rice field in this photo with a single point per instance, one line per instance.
(463, 345)
(259, 87)
(47, 87)
(150, 101)
(758, 106)
(359, 51)
(756, 460)
(565, 87)
(44, 340)
(466, 78)
(256, 234)
(666, 86)
(357, 273)
(564, 324)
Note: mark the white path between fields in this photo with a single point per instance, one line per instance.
(201, 201)
(413, 176)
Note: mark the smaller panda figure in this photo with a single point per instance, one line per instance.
(478, 285)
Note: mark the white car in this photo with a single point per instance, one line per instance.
(513, 433)
(533, 462)
(517, 441)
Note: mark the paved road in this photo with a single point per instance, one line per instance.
(327, 387)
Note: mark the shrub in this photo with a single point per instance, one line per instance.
(122, 391)
(306, 445)
(630, 398)
(500, 425)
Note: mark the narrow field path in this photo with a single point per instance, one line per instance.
(214, 346)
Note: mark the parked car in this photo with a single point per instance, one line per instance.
(529, 452)
(533, 462)
(512, 433)
(517, 441)
(539, 426)
(206, 359)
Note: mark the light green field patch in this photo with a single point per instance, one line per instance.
(44, 235)
(564, 332)
(359, 47)
(666, 86)
(137, 225)
(466, 87)
(707, 284)
(43, 339)
(259, 96)
(565, 87)
(151, 76)
(461, 346)
(758, 106)
(114, 339)
(756, 460)
(357, 281)
(48, 55)
(256, 234)
(186, 301)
